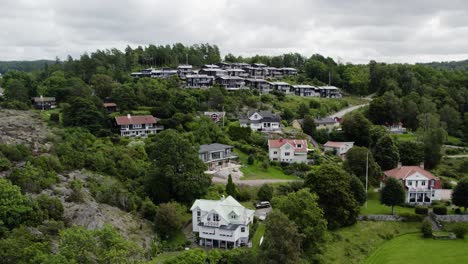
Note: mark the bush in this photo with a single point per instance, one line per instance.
(15, 152)
(55, 117)
(51, 207)
(265, 193)
(5, 164)
(250, 159)
(426, 229)
(459, 229)
(148, 209)
(440, 210)
(457, 211)
(421, 210)
(407, 217)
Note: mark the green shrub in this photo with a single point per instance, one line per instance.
(459, 229)
(421, 210)
(33, 179)
(457, 211)
(5, 164)
(148, 209)
(15, 152)
(55, 117)
(408, 217)
(426, 229)
(51, 207)
(439, 210)
(250, 159)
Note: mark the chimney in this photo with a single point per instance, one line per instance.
(222, 197)
(421, 165)
(129, 116)
(281, 140)
(399, 165)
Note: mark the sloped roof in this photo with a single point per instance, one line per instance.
(405, 171)
(326, 120)
(109, 104)
(334, 144)
(224, 207)
(135, 120)
(277, 143)
(43, 99)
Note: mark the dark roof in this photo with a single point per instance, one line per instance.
(268, 116)
(213, 147)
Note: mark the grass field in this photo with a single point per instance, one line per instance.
(404, 137)
(375, 207)
(258, 235)
(255, 171)
(352, 245)
(412, 248)
(165, 256)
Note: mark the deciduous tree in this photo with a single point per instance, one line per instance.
(392, 193)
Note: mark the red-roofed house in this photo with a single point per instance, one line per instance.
(421, 185)
(339, 148)
(288, 150)
(137, 126)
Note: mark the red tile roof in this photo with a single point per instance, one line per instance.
(406, 171)
(135, 120)
(277, 143)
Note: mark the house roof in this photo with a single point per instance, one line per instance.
(224, 207)
(279, 83)
(199, 76)
(135, 120)
(405, 171)
(289, 69)
(326, 120)
(43, 99)
(213, 147)
(267, 116)
(328, 88)
(304, 86)
(184, 67)
(110, 105)
(334, 144)
(227, 77)
(278, 143)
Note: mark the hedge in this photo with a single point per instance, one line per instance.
(440, 210)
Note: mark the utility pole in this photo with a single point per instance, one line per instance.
(42, 102)
(186, 59)
(367, 174)
(329, 78)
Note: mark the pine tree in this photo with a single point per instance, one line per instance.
(231, 187)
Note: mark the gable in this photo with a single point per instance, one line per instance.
(255, 116)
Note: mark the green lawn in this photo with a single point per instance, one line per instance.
(414, 249)
(165, 256)
(405, 137)
(258, 235)
(375, 207)
(352, 245)
(176, 240)
(453, 140)
(255, 171)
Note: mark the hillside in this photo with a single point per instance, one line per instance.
(449, 65)
(26, 66)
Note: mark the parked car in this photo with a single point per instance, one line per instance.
(263, 204)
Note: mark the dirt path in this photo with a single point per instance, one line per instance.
(251, 182)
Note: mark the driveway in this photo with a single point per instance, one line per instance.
(262, 211)
(343, 112)
(251, 182)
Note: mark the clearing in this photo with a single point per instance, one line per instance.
(412, 248)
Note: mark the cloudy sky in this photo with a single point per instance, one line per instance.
(347, 30)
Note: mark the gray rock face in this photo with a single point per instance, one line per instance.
(24, 127)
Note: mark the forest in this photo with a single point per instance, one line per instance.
(157, 179)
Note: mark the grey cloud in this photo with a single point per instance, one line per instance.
(357, 31)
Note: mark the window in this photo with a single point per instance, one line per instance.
(198, 212)
(242, 229)
(287, 153)
(423, 183)
(216, 217)
(410, 183)
(215, 155)
(137, 126)
(233, 216)
(299, 145)
(275, 159)
(275, 152)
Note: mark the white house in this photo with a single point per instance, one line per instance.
(287, 150)
(137, 126)
(305, 90)
(221, 223)
(339, 148)
(281, 86)
(422, 187)
(261, 121)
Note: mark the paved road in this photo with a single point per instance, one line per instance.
(456, 156)
(251, 182)
(341, 113)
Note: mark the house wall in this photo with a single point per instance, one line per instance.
(126, 131)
